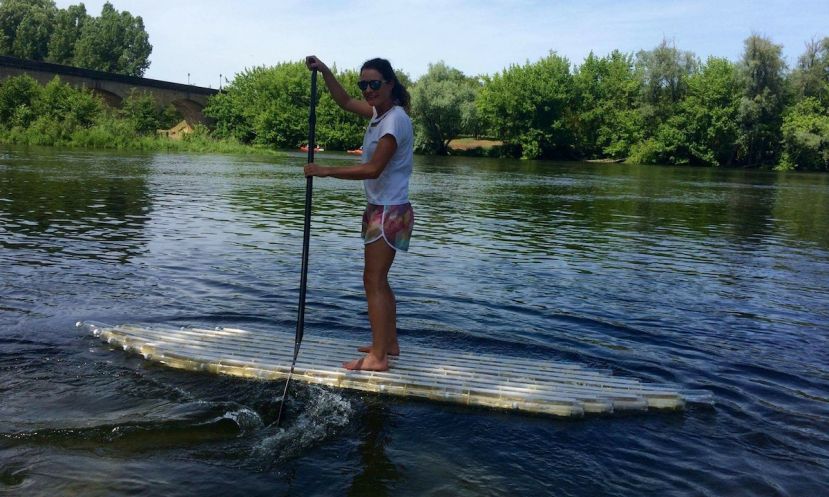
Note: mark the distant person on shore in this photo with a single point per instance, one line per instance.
(385, 169)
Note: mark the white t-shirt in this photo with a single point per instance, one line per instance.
(392, 187)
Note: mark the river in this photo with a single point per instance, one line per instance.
(704, 278)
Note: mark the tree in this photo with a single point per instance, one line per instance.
(338, 129)
(811, 77)
(36, 29)
(60, 110)
(114, 42)
(46, 115)
(763, 101)
(606, 90)
(67, 29)
(704, 128)
(526, 107)
(25, 27)
(17, 100)
(141, 111)
(281, 119)
(471, 121)
(231, 108)
(665, 72)
(265, 106)
(805, 133)
(269, 106)
(59, 101)
(439, 106)
(710, 113)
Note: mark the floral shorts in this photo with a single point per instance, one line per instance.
(393, 223)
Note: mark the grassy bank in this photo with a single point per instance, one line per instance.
(115, 134)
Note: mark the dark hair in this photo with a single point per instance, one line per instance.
(399, 93)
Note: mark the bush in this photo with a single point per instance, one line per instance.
(805, 137)
(646, 152)
(16, 92)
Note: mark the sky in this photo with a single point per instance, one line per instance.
(196, 41)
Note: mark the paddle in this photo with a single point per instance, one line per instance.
(306, 238)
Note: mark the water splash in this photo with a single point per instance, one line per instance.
(323, 414)
(246, 420)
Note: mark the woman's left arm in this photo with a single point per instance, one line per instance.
(370, 170)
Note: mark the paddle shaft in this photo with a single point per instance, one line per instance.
(306, 237)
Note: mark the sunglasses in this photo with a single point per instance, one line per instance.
(374, 84)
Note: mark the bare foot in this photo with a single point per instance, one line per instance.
(393, 350)
(367, 363)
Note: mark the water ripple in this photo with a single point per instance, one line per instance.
(710, 279)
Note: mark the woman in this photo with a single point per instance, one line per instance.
(385, 168)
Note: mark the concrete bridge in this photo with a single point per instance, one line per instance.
(114, 88)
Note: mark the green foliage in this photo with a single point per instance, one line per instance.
(113, 42)
(61, 102)
(337, 129)
(45, 115)
(269, 107)
(59, 114)
(282, 120)
(526, 107)
(605, 120)
(25, 27)
(659, 107)
(66, 31)
(811, 77)
(648, 151)
(168, 117)
(265, 106)
(443, 107)
(806, 136)
(17, 98)
(108, 132)
(709, 113)
(763, 101)
(664, 72)
(140, 110)
(703, 129)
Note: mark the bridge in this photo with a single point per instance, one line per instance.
(113, 88)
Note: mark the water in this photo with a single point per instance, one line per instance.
(708, 279)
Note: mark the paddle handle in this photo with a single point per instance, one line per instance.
(306, 232)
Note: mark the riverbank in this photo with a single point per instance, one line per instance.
(111, 138)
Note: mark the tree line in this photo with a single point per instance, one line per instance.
(37, 30)
(659, 106)
(59, 114)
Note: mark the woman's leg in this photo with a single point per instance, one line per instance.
(382, 307)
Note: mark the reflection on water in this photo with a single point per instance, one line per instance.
(378, 471)
(78, 206)
(714, 279)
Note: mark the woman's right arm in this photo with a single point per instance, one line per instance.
(339, 94)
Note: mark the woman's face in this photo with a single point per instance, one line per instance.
(380, 97)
